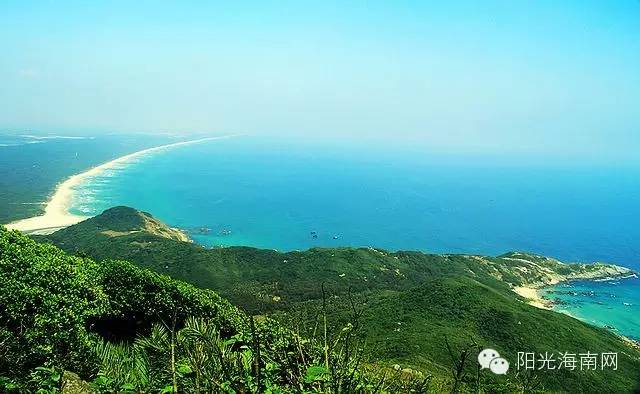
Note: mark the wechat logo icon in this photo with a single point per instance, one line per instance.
(489, 358)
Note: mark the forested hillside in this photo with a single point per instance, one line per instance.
(415, 310)
(70, 323)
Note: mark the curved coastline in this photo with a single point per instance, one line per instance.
(56, 214)
(535, 297)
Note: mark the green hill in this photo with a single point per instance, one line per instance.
(261, 280)
(407, 305)
(126, 329)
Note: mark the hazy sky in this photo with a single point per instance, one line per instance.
(471, 76)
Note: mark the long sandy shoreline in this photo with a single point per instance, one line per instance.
(56, 214)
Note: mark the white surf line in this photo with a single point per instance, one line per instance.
(56, 213)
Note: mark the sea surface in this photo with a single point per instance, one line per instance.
(31, 165)
(286, 195)
(613, 304)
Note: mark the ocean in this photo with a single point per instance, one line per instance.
(32, 165)
(273, 194)
(294, 195)
(614, 304)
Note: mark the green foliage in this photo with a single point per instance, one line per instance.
(46, 380)
(46, 299)
(411, 328)
(198, 359)
(316, 373)
(52, 306)
(8, 385)
(405, 306)
(195, 340)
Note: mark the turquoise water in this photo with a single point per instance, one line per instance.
(613, 303)
(286, 196)
(32, 165)
(273, 194)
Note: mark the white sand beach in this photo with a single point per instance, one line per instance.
(57, 215)
(533, 296)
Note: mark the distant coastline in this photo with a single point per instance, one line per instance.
(532, 291)
(534, 294)
(56, 214)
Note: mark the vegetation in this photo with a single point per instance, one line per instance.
(128, 329)
(198, 358)
(411, 328)
(261, 280)
(339, 320)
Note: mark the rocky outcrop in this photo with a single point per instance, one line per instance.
(526, 269)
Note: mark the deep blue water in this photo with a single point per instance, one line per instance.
(273, 194)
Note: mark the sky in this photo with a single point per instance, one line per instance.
(526, 77)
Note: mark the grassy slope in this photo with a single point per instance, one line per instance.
(52, 305)
(431, 296)
(56, 309)
(410, 327)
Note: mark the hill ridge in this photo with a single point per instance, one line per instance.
(407, 301)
